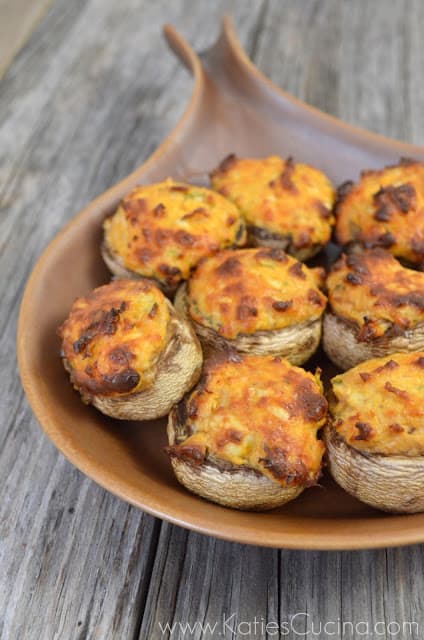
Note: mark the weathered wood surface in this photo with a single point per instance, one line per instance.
(89, 97)
(18, 18)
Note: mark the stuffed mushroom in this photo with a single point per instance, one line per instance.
(385, 209)
(127, 351)
(160, 231)
(376, 307)
(375, 437)
(286, 204)
(258, 301)
(246, 437)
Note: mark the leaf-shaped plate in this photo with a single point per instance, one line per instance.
(233, 108)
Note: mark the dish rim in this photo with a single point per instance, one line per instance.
(403, 535)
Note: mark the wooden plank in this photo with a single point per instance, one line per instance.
(88, 98)
(18, 18)
(359, 61)
(91, 95)
(76, 561)
(210, 588)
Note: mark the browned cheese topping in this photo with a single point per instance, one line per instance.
(250, 290)
(374, 291)
(162, 230)
(385, 209)
(285, 198)
(379, 405)
(256, 412)
(113, 337)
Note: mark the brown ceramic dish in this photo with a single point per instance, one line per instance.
(251, 117)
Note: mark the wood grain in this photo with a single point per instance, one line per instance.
(18, 18)
(88, 98)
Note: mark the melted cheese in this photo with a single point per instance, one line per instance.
(289, 199)
(162, 230)
(379, 405)
(373, 290)
(241, 292)
(386, 208)
(114, 337)
(258, 412)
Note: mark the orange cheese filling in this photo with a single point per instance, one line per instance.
(113, 337)
(284, 197)
(379, 406)
(241, 292)
(162, 230)
(257, 412)
(385, 209)
(376, 292)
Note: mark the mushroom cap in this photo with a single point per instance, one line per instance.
(376, 307)
(341, 344)
(115, 265)
(375, 438)
(286, 204)
(162, 230)
(129, 362)
(296, 343)
(387, 482)
(385, 209)
(178, 370)
(239, 488)
(249, 446)
(262, 237)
